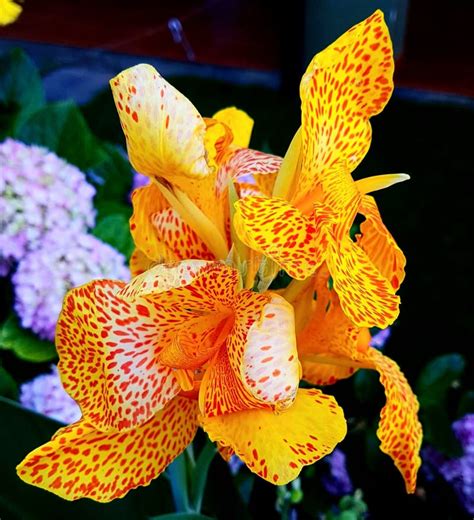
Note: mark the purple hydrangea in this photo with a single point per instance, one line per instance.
(39, 192)
(139, 180)
(378, 340)
(45, 394)
(459, 473)
(336, 480)
(64, 260)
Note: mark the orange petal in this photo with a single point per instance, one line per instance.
(379, 244)
(146, 202)
(275, 228)
(81, 461)
(139, 263)
(343, 86)
(108, 348)
(366, 297)
(277, 446)
(321, 374)
(399, 429)
(164, 131)
(178, 237)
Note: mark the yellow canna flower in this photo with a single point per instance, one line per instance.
(9, 11)
(315, 198)
(181, 346)
(330, 348)
(184, 212)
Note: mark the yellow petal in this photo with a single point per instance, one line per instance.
(379, 182)
(366, 297)
(148, 201)
(290, 169)
(276, 229)
(399, 429)
(379, 244)
(108, 348)
(9, 12)
(321, 374)
(240, 123)
(343, 86)
(139, 262)
(83, 462)
(277, 446)
(164, 131)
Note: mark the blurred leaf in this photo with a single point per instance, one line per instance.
(60, 127)
(8, 386)
(113, 176)
(21, 90)
(437, 377)
(466, 404)
(366, 385)
(200, 472)
(24, 343)
(114, 230)
(177, 474)
(437, 430)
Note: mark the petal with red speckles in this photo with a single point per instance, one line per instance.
(108, 348)
(239, 122)
(379, 244)
(399, 429)
(275, 228)
(366, 297)
(139, 263)
(81, 461)
(343, 86)
(146, 202)
(164, 131)
(277, 445)
(270, 366)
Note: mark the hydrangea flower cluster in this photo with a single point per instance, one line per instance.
(45, 394)
(64, 260)
(39, 192)
(337, 481)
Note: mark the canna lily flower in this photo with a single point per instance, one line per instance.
(180, 346)
(184, 212)
(9, 11)
(332, 348)
(315, 198)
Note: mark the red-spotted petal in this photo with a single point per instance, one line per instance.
(379, 244)
(277, 446)
(276, 229)
(164, 131)
(343, 86)
(108, 348)
(81, 461)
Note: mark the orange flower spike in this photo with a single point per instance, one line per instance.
(332, 348)
(343, 87)
(180, 345)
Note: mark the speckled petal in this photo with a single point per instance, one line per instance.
(275, 228)
(164, 131)
(379, 244)
(108, 348)
(81, 461)
(139, 263)
(277, 446)
(240, 123)
(343, 86)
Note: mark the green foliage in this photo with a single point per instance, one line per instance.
(8, 386)
(437, 378)
(24, 343)
(351, 507)
(114, 230)
(21, 91)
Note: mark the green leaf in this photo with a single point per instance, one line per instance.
(24, 343)
(177, 474)
(366, 385)
(114, 230)
(437, 377)
(61, 127)
(201, 470)
(8, 386)
(21, 90)
(466, 403)
(437, 430)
